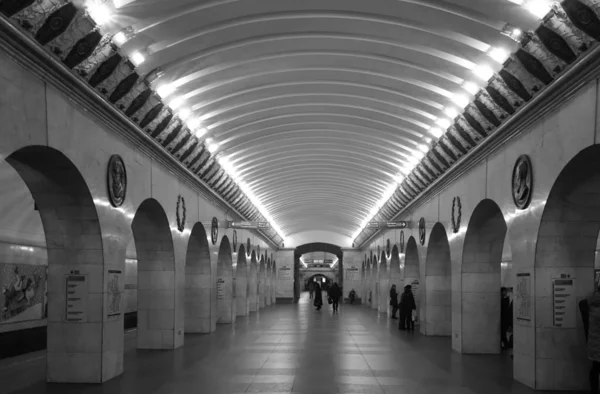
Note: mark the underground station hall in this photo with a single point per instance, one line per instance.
(310, 197)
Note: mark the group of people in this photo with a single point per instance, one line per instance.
(333, 296)
(407, 307)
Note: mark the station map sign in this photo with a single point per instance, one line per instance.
(387, 225)
(249, 225)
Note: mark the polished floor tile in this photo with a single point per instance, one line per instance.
(290, 349)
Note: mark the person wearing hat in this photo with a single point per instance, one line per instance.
(407, 305)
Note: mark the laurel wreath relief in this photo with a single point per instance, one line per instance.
(456, 218)
(180, 219)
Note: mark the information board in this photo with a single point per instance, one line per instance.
(352, 273)
(523, 297)
(564, 305)
(285, 273)
(114, 293)
(221, 288)
(76, 298)
(414, 286)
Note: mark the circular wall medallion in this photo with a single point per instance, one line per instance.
(378, 252)
(388, 248)
(116, 181)
(248, 247)
(214, 230)
(422, 231)
(522, 182)
(180, 212)
(402, 241)
(456, 214)
(235, 241)
(258, 251)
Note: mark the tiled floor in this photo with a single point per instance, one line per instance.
(291, 348)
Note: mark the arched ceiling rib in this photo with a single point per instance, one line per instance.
(318, 104)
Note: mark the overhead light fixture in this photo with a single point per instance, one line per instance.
(513, 32)
(443, 123)
(462, 100)
(539, 8)
(100, 13)
(184, 113)
(399, 178)
(119, 39)
(200, 132)
(165, 90)
(451, 112)
(176, 103)
(470, 87)
(436, 132)
(483, 72)
(193, 123)
(518, 2)
(213, 147)
(423, 148)
(137, 58)
(498, 54)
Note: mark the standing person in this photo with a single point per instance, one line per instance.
(593, 340)
(352, 296)
(394, 301)
(335, 293)
(407, 305)
(318, 303)
(311, 289)
(505, 317)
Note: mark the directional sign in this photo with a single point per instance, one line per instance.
(387, 225)
(249, 225)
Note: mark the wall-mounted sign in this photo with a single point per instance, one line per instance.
(563, 303)
(220, 288)
(387, 225)
(523, 297)
(249, 225)
(285, 273)
(352, 273)
(114, 293)
(77, 298)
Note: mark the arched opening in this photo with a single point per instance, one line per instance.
(268, 282)
(261, 282)
(156, 278)
(198, 289)
(396, 272)
(274, 287)
(481, 279)
(311, 251)
(384, 284)
(374, 283)
(564, 264)
(438, 284)
(412, 273)
(75, 258)
(368, 283)
(225, 296)
(241, 283)
(253, 283)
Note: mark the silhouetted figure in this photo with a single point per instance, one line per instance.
(593, 338)
(318, 303)
(505, 318)
(394, 301)
(335, 293)
(352, 296)
(311, 289)
(407, 305)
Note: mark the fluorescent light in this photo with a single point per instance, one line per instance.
(137, 58)
(119, 39)
(213, 147)
(498, 54)
(165, 90)
(470, 87)
(199, 133)
(483, 72)
(443, 123)
(519, 2)
(436, 132)
(193, 123)
(176, 103)
(100, 13)
(418, 155)
(539, 8)
(398, 178)
(451, 112)
(462, 100)
(121, 3)
(412, 160)
(184, 113)
(423, 148)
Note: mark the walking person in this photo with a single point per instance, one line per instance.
(593, 337)
(505, 318)
(407, 306)
(318, 303)
(394, 301)
(311, 289)
(335, 293)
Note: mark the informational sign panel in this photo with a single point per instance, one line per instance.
(285, 273)
(563, 303)
(249, 225)
(114, 293)
(221, 288)
(352, 273)
(414, 286)
(77, 298)
(387, 224)
(523, 297)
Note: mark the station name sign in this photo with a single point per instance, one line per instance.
(387, 225)
(249, 225)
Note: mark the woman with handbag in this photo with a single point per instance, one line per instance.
(318, 303)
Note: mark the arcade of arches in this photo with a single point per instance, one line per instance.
(175, 174)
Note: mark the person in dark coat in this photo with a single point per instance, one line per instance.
(407, 305)
(318, 303)
(394, 301)
(505, 318)
(335, 293)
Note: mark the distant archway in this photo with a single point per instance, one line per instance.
(156, 278)
(412, 271)
(396, 272)
(241, 283)
(317, 247)
(225, 295)
(253, 283)
(384, 284)
(261, 282)
(438, 284)
(481, 279)
(198, 279)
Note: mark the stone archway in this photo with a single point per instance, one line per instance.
(396, 272)
(268, 283)
(384, 284)
(225, 295)
(274, 286)
(75, 258)
(374, 282)
(412, 272)
(261, 282)
(253, 283)
(198, 279)
(481, 279)
(438, 284)
(241, 283)
(317, 247)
